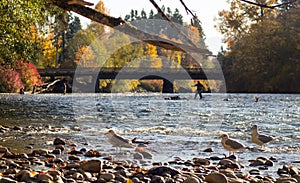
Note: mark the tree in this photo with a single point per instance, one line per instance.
(95, 27)
(265, 60)
(17, 17)
(237, 21)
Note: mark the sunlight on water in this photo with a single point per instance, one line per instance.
(181, 128)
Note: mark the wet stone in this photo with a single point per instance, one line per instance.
(257, 162)
(107, 176)
(93, 166)
(254, 172)
(60, 146)
(56, 151)
(191, 180)
(293, 170)
(3, 149)
(216, 177)
(59, 141)
(201, 161)
(45, 178)
(210, 149)
(147, 155)
(157, 179)
(163, 170)
(286, 180)
(74, 158)
(138, 156)
(78, 176)
(269, 163)
(7, 180)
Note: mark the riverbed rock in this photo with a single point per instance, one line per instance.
(107, 176)
(257, 162)
(147, 155)
(201, 161)
(210, 149)
(216, 177)
(44, 177)
(7, 180)
(191, 179)
(293, 170)
(93, 166)
(138, 156)
(254, 172)
(161, 170)
(3, 149)
(59, 141)
(286, 180)
(269, 163)
(40, 152)
(24, 176)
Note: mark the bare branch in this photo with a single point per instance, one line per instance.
(189, 11)
(266, 6)
(171, 23)
(126, 28)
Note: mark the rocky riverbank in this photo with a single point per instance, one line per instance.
(64, 161)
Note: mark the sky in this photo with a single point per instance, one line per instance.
(206, 11)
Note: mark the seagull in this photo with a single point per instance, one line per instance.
(118, 141)
(231, 145)
(260, 139)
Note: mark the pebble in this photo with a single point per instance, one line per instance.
(107, 176)
(66, 164)
(254, 172)
(216, 177)
(59, 141)
(93, 166)
(138, 156)
(191, 180)
(257, 162)
(201, 161)
(210, 149)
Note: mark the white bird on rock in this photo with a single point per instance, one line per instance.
(260, 139)
(118, 141)
(232, 145)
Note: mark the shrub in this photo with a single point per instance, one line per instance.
(10, 81)
(28, 73)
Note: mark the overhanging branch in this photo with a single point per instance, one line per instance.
(126, 28)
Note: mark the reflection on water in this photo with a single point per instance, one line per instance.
(175, 127)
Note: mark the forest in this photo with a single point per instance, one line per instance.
(262, 53)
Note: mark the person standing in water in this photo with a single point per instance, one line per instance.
(199, 90)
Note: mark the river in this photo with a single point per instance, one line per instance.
(176, 128)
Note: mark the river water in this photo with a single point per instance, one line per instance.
(176, 128)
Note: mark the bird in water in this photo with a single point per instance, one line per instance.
(118, 141)
(232, 145)
(260, 139)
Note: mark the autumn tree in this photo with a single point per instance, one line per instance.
(17, 17)
(265, 59)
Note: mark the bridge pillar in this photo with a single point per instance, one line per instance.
(168, 86)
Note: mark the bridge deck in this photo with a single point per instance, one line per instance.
(135, 73)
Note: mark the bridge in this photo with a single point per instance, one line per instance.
(168, 75)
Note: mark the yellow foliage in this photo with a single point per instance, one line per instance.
(85, 57)
(151, 50)
(49, 51)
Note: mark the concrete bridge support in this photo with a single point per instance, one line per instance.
(168, 86)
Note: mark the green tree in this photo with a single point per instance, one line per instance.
(16, 18)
